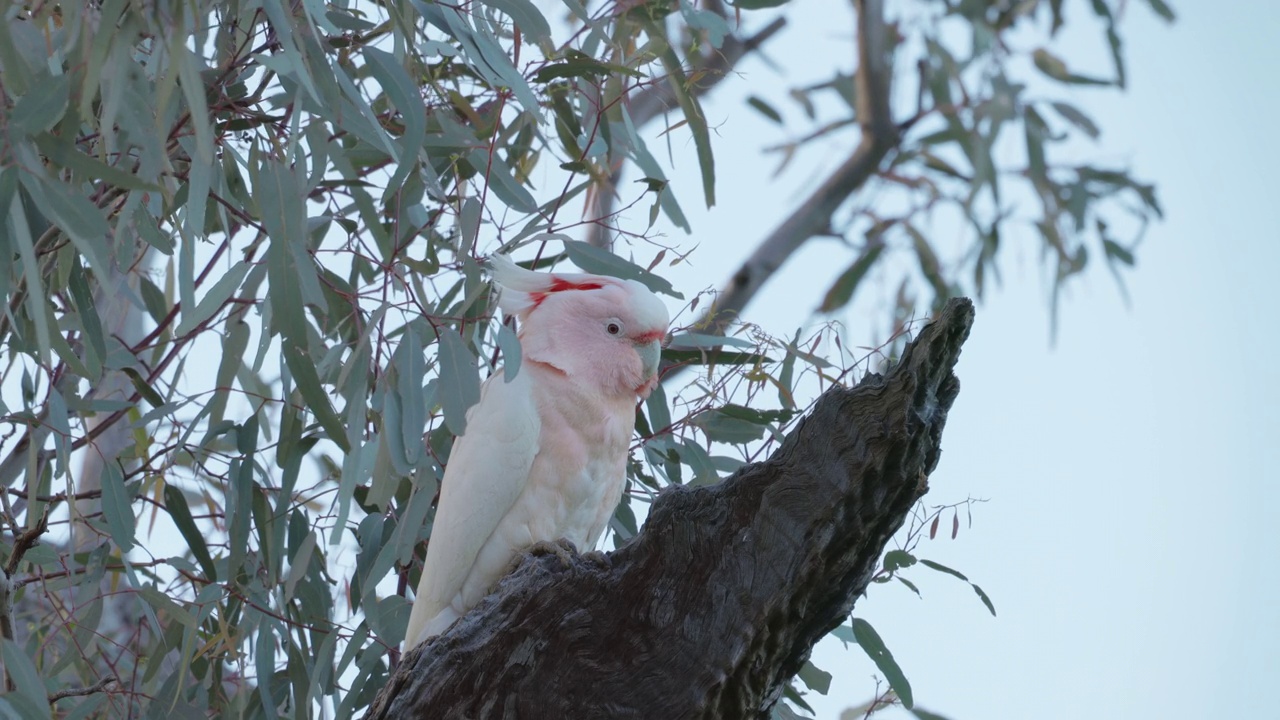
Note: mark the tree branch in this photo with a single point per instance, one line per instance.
(659, 98)
(880, 136)
(718, 601)
(97, 687)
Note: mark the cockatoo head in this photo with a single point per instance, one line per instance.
(597, 329)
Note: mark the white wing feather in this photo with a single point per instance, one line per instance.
(487, 471)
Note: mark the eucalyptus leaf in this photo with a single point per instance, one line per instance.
(870, 642)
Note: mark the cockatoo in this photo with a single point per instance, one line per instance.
(543, 456)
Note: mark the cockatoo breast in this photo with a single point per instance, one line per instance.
(576, 480)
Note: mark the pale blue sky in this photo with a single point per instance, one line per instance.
(1130, 543)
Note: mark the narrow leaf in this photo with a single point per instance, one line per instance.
(117, 506)
(841, 291)
(214, 299)
(509, 344)
(176, 503)
(22, 672)
(459, 380)
(871, 643)
(42, 107)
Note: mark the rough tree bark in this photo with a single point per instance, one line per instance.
(719, 600)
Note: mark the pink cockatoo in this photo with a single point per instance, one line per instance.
(543, 456)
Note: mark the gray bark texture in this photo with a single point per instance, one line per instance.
(716, 604)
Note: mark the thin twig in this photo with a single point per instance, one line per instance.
(97, 687)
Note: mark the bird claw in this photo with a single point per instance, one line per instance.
(597, 558)
(561, 548)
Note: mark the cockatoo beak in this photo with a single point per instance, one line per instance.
(650, 354)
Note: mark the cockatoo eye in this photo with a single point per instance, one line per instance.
(613, 327)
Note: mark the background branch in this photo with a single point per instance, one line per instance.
(658, 98)
(813, 217)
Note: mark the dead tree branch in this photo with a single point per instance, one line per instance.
(717, 603)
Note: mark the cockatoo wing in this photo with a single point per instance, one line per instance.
(487, 471)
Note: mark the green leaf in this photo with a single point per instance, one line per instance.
(144, 389)
(193, 91)
(712, 356)
(844, 634)
(579, 64)
(1162, 9)
(213, 300)
(765, 109)
(117, 506)
(42, 107)
(1053, 66)
(526, 17)
(88, 312)
(1118, 251)
(1074, 116)
(602, 262)
(75, 215)
(705, 341)
(693, 113)
(410, 371)
(652, 171)
(895, 560)
(502, 181)
(759, 4)
(841, 291)
(64, 154)
(910, 585)
(291, 273)
(405, 94)
(737, 424)
(459, 380)
(509, 344)
(926, 715)
(22, 671)
(176, 503)
(875, 648)
(814, 678)
(955, 573)
(985, 600)
(304, 375)
(943, 569)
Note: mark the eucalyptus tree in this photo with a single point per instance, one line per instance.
(246, 311)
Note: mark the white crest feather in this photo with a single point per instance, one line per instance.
(515, 284)
(520, 290)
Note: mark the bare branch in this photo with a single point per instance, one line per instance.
(97, 687)
(879, 137)
(658, 98)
